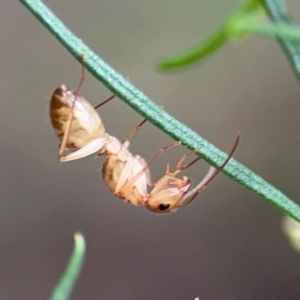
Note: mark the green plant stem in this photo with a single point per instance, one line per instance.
(245, 26)
(277, 11)
(67, 282)
(148, 109)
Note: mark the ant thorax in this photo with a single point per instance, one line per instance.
(119, 174)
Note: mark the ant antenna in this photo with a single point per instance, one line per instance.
(179, 166)
(202, 185)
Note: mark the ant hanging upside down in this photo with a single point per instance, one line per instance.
(80, 129)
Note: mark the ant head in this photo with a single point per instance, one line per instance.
(168, 194)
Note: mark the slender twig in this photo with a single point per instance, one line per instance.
(144, 106)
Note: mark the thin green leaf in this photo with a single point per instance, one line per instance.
(195, 53)
(67, 282)
(242, 23)
(214, 42)
(277, 11)
(148, 109)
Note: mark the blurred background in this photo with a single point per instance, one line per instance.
(228, 244)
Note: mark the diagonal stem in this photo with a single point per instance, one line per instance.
(154, 114)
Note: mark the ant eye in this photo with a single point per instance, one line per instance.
(164, 206)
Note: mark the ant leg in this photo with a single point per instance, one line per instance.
(125, 144)
(105, 101)
(70, 119)
(141, 172)
(179, 167)
(212, 175)
(93, 146)
(126, 172)
(190, 164)
(82, 78)
(135, 130)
